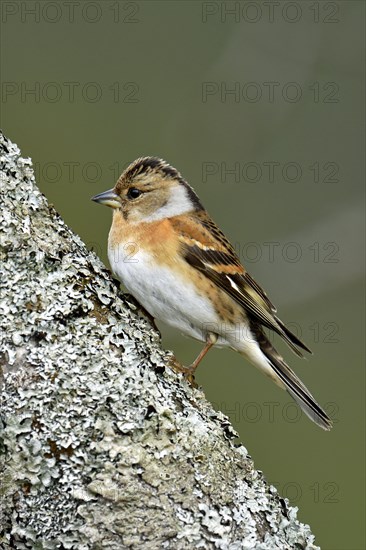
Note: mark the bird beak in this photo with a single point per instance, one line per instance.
(108, 198)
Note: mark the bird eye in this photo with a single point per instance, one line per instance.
(133, 193)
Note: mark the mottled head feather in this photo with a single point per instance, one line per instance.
(157, 166)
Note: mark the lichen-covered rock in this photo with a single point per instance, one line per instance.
(102, 444)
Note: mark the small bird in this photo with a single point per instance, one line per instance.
(171, 256)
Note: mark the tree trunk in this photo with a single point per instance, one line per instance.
(103, 444)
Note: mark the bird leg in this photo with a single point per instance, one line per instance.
(189, 371)
(211, 340)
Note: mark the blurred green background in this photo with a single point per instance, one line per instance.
(260, 106)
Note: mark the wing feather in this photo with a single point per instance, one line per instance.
(209, 251)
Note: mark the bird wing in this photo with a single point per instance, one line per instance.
(206, 249)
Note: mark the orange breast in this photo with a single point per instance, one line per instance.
(157, 238)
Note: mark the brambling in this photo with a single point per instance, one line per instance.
(178, 264)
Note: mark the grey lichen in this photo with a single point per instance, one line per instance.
(102, 444)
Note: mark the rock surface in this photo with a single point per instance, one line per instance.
(102, 444)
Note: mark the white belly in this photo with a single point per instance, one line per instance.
(163, 293)
(170, 298)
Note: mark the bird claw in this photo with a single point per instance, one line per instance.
(188, 372)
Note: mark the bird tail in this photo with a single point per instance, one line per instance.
(287, 379)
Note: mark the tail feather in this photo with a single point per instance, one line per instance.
(292, 383)
(300, 393)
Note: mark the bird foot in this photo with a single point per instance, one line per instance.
(188, 372)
